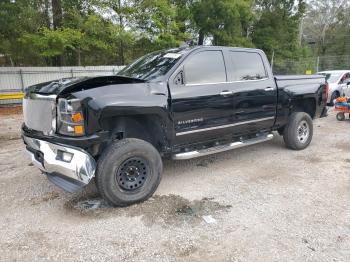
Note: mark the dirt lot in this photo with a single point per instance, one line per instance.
(269, 203)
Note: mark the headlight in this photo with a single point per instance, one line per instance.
(70, 119)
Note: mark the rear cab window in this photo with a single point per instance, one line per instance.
(246, 66)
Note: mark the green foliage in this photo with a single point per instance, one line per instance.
(96, 32)
(226, 21)
(52, 43)
(327, 29)
(161, 23)
(17, 19)
(277, 32)
(94, 41)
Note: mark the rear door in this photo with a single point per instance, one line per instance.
(201, 98)
(255, 91)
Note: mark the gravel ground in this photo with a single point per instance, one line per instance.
(269, 204)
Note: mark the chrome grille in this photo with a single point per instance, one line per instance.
(40, 113)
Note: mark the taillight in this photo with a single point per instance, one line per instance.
(70, 120)
(327, 89)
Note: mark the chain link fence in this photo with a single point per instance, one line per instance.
(13, 80)
(310, 65)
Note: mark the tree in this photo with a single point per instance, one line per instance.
(52, 43)
(91, 32)
(226, 22)
(101, 39)
(323, 17)
(277, 30)
(16, 18)
(327, 29)
(159, 22)
(119, 12)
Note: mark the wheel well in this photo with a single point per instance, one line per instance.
(306, 105)
(149, 128)
(336, 92)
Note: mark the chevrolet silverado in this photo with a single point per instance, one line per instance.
(179, 103)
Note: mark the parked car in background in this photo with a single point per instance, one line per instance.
(339, 84)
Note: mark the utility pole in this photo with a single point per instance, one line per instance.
(301, 29)
(317, 64)
(272, 59)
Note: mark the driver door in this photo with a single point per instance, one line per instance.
(201, 98)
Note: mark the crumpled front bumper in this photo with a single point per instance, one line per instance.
(67, 167)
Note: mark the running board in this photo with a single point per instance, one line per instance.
(222, 148)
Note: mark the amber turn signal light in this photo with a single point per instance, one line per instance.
(77, 117)
(79, 130)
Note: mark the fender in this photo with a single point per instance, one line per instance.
(109, 107)
(293, 95)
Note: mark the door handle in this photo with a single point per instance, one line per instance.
(269, 89)
(226, 93)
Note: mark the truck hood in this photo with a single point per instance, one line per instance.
(69, 85)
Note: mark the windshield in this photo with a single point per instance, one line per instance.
(331, 78)
(152, 66)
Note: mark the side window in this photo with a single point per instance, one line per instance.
(247, 66)
(346, 78)
(205, 67)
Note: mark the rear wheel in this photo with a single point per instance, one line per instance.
(129, 171)
(298, 133)
(340, 116)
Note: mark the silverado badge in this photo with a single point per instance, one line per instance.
(190, 121)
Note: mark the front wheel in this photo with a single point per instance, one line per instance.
(129, 171)
(298, 133)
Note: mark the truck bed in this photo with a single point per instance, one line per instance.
(301, 84)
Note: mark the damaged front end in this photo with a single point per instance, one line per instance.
(68, 168)
(61, 129)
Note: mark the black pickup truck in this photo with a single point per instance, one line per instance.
(180, 103)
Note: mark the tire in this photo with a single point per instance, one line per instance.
(298, 132)
(334, 96)
(340, 116)
(280, 131)
(128, 172)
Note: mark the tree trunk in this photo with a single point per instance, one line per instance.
(121, 51)
(57, 13)
(47, 13)
(79, 57)
(201, 37)
(121, 43)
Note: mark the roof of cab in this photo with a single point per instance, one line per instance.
(186, 49)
